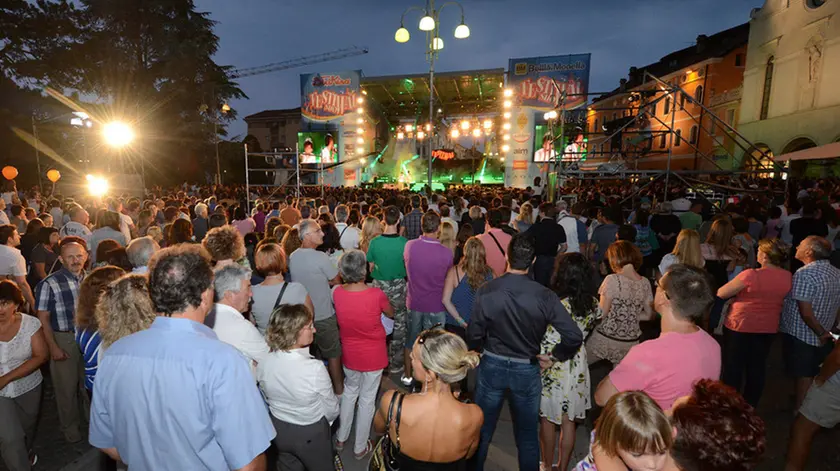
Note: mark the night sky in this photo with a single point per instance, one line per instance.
(618, 33)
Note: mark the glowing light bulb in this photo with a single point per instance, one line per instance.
(505, 148)
(476, 132)
(506, 137)
(507, 115)
(508, 103)
(506, 126)
(455, 133)
(508, 92)
(409, 128)
(465, 125)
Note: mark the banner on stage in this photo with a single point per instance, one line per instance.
(539, 82)
(328, 96)
(349, 175)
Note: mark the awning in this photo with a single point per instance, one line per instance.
(828, 151)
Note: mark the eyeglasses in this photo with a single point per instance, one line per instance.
(664, 291)
(421, 339)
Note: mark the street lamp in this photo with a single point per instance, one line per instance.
(117, 134)
(430, 23)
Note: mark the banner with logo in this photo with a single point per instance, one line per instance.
(540, 82)
(328, 96)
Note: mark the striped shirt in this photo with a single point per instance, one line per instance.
(817, 283)
(57, 294)
(89, 341)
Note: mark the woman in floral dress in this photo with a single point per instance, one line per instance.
(565, 393)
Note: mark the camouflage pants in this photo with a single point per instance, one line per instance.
(395, 291)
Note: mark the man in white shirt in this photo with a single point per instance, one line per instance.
(4, 218)
(126, 224)
(546, 153)
(12, 263)
(79, 219)
(445, 217)
(232, 285)
(569, 224)
(348, 235)
(328, 150)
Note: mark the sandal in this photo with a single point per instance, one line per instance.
(362, 455)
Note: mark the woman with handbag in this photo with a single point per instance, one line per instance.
(430, 430)
(275, 290)
(298, 391)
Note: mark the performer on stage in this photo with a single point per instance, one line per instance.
(307, 157)
(574, 151)
(546, 153)
(327, 153)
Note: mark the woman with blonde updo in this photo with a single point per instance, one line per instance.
(433, 430)
(447, 236)
(525, 219)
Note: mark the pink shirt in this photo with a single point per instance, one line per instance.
(245, 226)
(758, 307)
(666, 368)
(496, 259)
(360, 328)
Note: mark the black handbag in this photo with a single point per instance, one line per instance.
(384, 457)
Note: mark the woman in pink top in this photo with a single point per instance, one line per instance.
(753, 319)
(244, 224)
(358, 310)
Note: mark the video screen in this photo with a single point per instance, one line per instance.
(318, 146)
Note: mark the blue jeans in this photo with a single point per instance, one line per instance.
(523, 381)
(420, 321)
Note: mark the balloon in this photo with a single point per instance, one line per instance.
(53, 175)
(10, 172)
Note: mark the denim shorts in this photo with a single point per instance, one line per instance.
(420, 321)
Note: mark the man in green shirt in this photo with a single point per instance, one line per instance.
(387, 267)
(692, 219)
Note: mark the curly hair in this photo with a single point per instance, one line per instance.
(105, 246)
(573, 279)
(224, 243)
(284, 326)
(717, 430)
(178, 276)
(89, 291)
(270, 224)
(124, 308)
(291, 241)
(474, 263)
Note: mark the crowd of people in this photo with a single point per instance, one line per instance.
(198, 327)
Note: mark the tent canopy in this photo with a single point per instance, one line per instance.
(827, 151)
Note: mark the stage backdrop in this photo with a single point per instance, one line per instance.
(328, 96)
(538, 83)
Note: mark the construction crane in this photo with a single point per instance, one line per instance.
(299, 62)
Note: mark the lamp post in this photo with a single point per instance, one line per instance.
(431, 25)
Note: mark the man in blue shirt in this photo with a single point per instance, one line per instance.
(174, 396)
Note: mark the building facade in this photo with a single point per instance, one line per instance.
(791, 100)
(274, 129)
(711, 72)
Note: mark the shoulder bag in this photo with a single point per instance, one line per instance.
(280, 297)
(384, 457)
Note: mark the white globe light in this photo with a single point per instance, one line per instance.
(437, 44)
(465, 125)
(117, 134)
(505, 148)
(455, 133)
(476, 132)
(427, 23)
(420, 134)
(506, 137)
(462, 31)
(402, 35)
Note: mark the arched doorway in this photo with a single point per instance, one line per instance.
(800, 167)
(761, 161)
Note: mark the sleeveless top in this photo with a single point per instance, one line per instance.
(408, 463)
(630, 299)
(463, 297)
(16, 352)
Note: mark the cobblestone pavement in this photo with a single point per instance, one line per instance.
(776, 406)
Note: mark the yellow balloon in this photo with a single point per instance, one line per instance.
(10, 172)
(53, 175)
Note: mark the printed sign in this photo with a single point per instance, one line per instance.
(349, 175)
(443, 154)
(520, 164)
(540, 82)
(328, 96)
